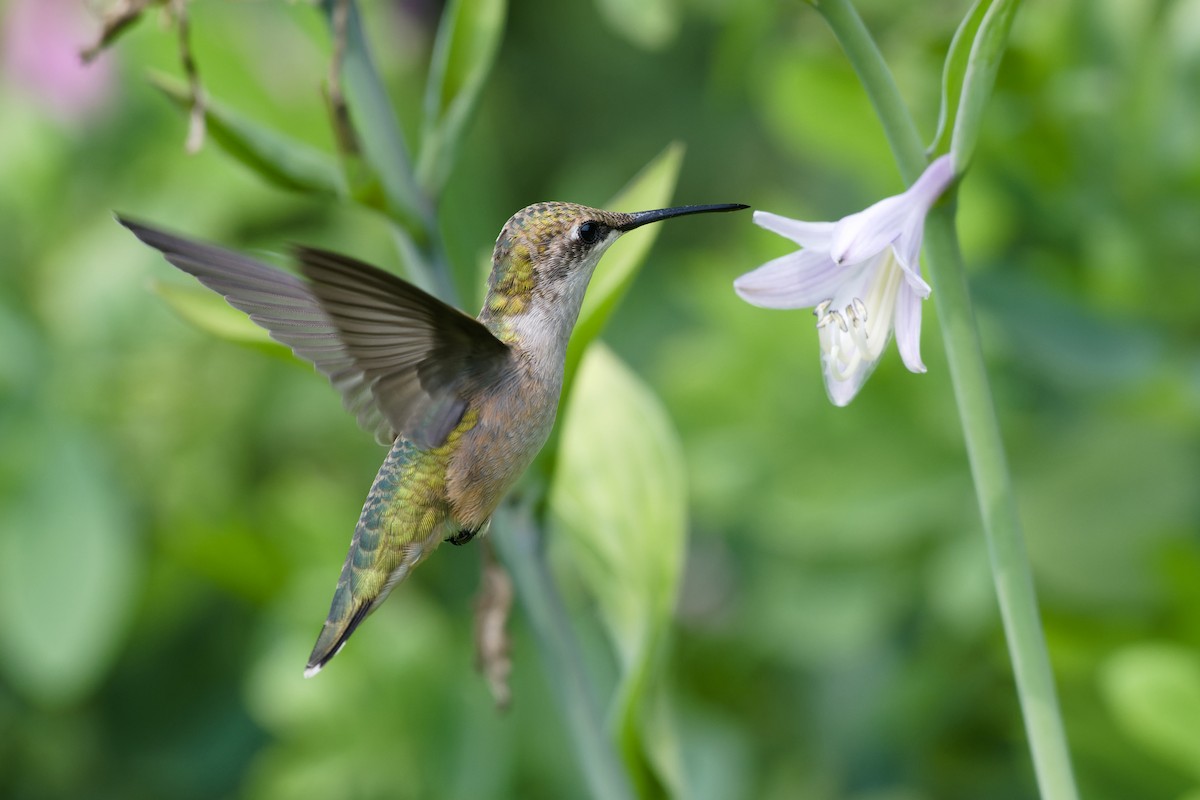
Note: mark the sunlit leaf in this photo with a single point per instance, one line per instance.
(466, 47)
(276, 158)
(619, 499)
(209, 312)
(651, 188)
(649, 24)
(68, 568)
(1154, 692)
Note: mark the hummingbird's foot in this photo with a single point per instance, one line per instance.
(462, 537)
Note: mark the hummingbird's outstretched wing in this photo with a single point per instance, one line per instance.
(402, 359)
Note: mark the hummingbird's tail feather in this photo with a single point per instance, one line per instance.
(351, 606)
(334, 634)
(403, 521)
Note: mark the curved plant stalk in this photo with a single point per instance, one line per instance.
(519, 542)
(985, 448)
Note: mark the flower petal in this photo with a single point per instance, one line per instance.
(840, 384)
(862, 235)
(810, 235)
(908, 328)
(907, 250)
(908, 243)
(936, 178)
(859, 236)
(796, 280)
(840, 393)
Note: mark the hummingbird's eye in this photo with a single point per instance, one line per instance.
(588, 232)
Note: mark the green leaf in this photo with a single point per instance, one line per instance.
(463, 55)
(378, 131)
(1153, 690)
(279, 160)
(987, 51)
(649, 24)
(619, 501)
(953, 72)
(651, 188)
(209, 312)
(68, 568)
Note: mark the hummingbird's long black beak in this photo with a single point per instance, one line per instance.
(640, 218)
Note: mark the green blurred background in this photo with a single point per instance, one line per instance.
(174, 508)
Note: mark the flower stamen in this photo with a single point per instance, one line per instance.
(858, 335)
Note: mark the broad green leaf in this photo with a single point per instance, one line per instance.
(1153, 690)
(279, 160)
(378, 131)
(68, 569)
(953, 72)
(619, 500)
(463, 55)
(651, 188)
(987, 51)
(649, 24)
(209, 312)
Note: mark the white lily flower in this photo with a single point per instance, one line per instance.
(861, 276)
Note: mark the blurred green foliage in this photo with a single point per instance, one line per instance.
(173, 508)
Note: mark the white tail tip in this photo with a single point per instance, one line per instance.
(313, 670)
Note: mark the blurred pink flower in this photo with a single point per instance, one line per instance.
(39, 56)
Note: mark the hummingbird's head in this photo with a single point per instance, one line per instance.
(546, 253)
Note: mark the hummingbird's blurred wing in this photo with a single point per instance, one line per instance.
(419, 357)
(403, 360)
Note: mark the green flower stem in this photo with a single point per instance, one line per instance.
(518, 542)
(985, 449)
(993, 488)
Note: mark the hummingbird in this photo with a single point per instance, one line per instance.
(464, 403)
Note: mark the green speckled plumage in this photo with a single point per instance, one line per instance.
(464, 404)
(529, 238)
(406, 516)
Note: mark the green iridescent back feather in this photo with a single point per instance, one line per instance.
(405, 517)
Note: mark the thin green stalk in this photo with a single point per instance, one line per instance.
(985, 448)
(997, 504)
(519, 545)
(415, 222)
(376, 126)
